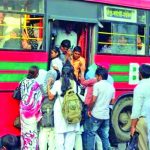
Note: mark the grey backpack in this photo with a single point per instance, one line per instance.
(47, 113)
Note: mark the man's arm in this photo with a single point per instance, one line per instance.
(91, 105)
(50, 95)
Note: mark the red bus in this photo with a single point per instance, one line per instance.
(115, 33)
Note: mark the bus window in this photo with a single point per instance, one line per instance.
(123, 38)
(10, 31)
(19, 32)
(31, 6)
(32, 32)
(117, 38)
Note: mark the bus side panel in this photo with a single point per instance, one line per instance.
(14, 66)
(123, 69)
(9, 110)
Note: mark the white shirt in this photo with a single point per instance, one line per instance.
(142, 50)
(57, 62)
(60, 124)
(104, 91)
(61, 35)
(141, 98)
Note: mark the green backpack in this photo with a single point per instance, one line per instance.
(71, 107)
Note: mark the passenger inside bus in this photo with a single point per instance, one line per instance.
(14, 41)
(66, 31)
(2, 28)
(107, 47)
(123, 47)
(140, 46)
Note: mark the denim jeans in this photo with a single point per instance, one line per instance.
(95, 126)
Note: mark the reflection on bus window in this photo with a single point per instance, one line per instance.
(21, 31)
(32, 6)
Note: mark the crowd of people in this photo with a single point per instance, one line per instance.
(67, 70)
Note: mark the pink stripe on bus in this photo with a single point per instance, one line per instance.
(13, 72)
(8, 86)
(145, 4)
(23, 56)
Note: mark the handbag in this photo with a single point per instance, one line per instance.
(133, 143)
(17, 93)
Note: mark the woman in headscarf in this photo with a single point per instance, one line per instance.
(64, 133)
(47, 134)
(30, 110)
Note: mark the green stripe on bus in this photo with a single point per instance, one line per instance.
(119, 68)
(21, 65)
(11, 77)
(120, 78)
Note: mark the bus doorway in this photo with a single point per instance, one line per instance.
(78, 33)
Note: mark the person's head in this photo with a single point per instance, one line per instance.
(101, 74)
(68, 27)
(50, 74)
(15, 33)
(33, 72)
(65, 45)
(122, 40)
(10, 142)
(109, 41)
(67, 74)
(55, 52)
(2, 17)
(144, 71)
(139, 43)
(76, 52)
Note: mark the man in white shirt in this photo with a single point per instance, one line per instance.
(66, 33)
(103, 93)
(141, 99)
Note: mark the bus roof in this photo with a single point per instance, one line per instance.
(143, 4)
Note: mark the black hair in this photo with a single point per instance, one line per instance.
(77, 48)
(58, 74)
(144, 70)
(11, 142)
(66, 43)
(67, 74)
(56, 50)
(33, 72)
(100, 71)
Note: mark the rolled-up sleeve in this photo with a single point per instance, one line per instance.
(138, 100)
